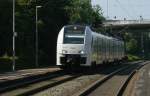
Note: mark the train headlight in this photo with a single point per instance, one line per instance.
(81, 52)
(64, 51)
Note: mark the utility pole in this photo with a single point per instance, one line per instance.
(36, 38)
(107, 10)
(14, 35)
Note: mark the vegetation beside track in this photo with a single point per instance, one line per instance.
(133, 57)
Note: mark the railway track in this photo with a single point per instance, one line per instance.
(32, 85)
(12, 84)
(40, 84)
(74, 86)
(115, 83)
(37, 84)
(127, 81)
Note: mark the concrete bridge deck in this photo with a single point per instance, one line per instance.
(129, 23)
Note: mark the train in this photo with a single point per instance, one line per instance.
(78, 45)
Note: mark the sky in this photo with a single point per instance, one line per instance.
(129, 9)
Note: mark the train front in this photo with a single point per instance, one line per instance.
(70, 46)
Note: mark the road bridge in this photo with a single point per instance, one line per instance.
(132, 24)
(139, 28)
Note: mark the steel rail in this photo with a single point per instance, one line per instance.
(14, 84)
(40, 89)
(124, 86)
(99, 82)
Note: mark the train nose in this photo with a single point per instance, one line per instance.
(73, 59)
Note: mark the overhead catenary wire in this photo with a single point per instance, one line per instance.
(132, 8)
(124, 9)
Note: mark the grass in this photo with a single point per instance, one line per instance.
(133, 57)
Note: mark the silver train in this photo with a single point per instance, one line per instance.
(78, 45)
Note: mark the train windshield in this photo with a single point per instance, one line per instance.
(74, 35)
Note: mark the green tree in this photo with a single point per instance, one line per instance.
(5, 27)
(52, 16)
(132, 46)
(82, 12)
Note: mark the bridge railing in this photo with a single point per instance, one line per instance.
(126, 22)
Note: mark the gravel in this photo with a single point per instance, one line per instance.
(71, 87)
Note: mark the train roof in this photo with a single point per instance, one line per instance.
(95, 33)
(105, 36)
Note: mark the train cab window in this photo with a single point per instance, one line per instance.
(74, 34)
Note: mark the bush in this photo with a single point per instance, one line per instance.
(5, 64)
